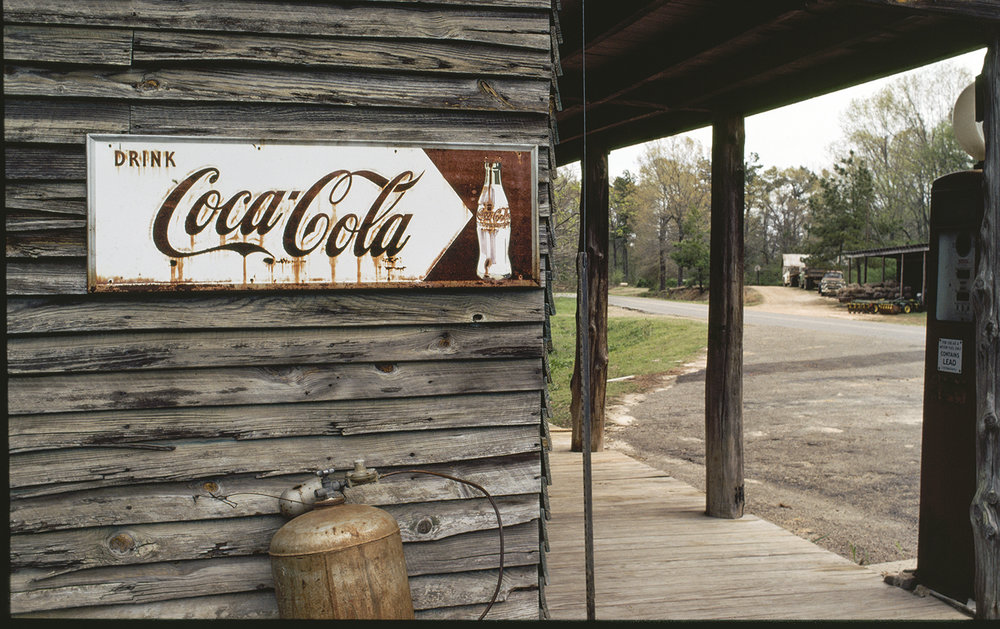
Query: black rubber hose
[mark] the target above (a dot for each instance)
(496, 510)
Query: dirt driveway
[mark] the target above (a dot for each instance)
(832, 430)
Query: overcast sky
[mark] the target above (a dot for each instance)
(796, 135)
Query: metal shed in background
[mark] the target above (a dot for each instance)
(910, 265)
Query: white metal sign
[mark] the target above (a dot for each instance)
(182, 213)
(950, 355)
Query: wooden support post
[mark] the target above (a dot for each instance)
(902, 275)
(923, 280)
(985, 508)
(724, 371)
(595, 242)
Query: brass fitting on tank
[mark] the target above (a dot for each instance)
(361, 475)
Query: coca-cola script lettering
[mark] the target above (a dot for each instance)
(375, 230)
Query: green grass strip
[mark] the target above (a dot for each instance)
(637, 346)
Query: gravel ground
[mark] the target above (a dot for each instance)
(832, 428)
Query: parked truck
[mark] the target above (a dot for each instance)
(831, 283)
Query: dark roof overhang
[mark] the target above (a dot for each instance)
(656, 68)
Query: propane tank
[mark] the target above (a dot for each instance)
(341, 561)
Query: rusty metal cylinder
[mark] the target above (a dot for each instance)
(341, 562)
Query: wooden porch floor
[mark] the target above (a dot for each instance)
(659, 557)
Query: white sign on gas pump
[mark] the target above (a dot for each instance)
(949, 355)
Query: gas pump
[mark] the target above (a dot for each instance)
(945, 553)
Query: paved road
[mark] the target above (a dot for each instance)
(908, 333)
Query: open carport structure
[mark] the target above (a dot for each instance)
(636, 71)
(911, 265)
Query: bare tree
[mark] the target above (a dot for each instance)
(903, 134)
(674, 178)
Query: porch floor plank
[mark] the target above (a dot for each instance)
(659, 557)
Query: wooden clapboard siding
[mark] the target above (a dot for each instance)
(46, 276)
(43, 121)
(371, 89)
(242, 606)
(45, 161)
(51, 554)
(76, 45)
(339, 417)
(39, 243)
(440, 56)
(85, 548)
(150, 583)
(274, 309)
(150, 433)
(264, 385)
(499, 24)
(235, 495)
(211, 348)
(28, 120)
(28, 221)
(188, 460)
(333, 123)
(51, 197)
(519, 604)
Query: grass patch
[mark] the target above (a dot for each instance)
(750, 296)
(637, 346)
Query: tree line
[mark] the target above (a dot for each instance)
(875, 194)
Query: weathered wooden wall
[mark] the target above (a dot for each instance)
(128, 413)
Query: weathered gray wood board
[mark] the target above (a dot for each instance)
(985, 509)
(238, 495)
(150, 583)
(338, 417)
(149, 435)
(518, 604)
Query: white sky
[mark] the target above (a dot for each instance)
(796, 135)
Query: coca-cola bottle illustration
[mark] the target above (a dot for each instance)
(493, 227)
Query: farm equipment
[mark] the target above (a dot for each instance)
(884, 306)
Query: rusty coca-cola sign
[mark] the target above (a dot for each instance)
(199, 213)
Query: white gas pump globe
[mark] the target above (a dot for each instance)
(968, 132)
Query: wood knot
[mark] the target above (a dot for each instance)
(425, 526)
(487, 89)
(990, 421)
(121, 544)
(148, 85)
(385, 367)
(211, 487)
(444, 341)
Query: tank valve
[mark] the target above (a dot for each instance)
(361, 475)
(301, 498)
